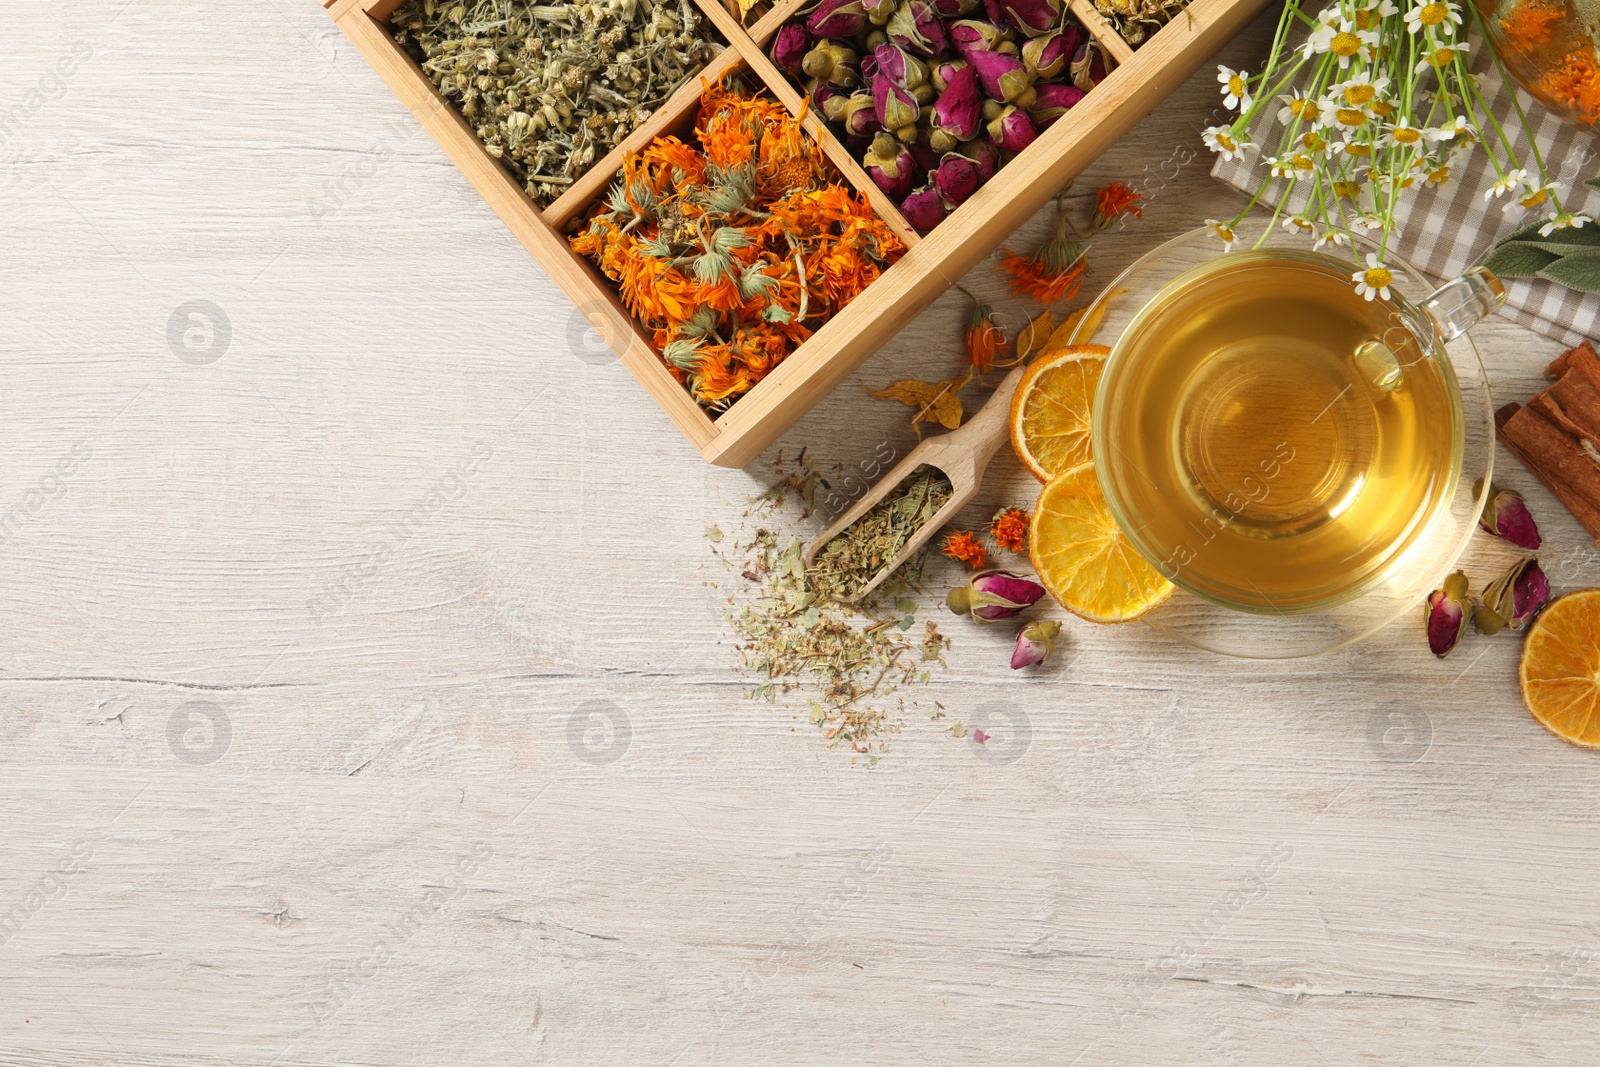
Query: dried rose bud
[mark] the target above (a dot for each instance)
(1052, 102)
(837, 18)
(861, 114)
(941, 142)
(941, 72)
(789, 48)
(970, 35)
(984, 154)
(1034, 644)
(1088, 66)
(915, 26)
(1514, 599)
(896, 108)
(954, 9)
(833, 63)
(1033, 17)
(1505, 514)
(994, 595)
(959, 109)
(956, 179)
(1445, 615)
(1012, 130)
(879, 11)
(1004, 77)
(902, 68)
(923, 209)
(890, 164)
(1047, 56)
(828, 100)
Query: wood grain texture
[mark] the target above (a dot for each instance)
(303, 630)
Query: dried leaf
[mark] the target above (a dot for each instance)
(1083, 322)
(934, 401)
(1033, 336)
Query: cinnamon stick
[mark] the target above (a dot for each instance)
(1561, 363)
(1588, 515)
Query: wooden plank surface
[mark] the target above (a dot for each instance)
(366, 702)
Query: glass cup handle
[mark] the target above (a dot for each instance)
(1456, 306)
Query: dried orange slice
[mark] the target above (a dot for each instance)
(1050, 411)
(1560, 671)
(1083, 559)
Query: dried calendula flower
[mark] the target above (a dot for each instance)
(551, 88)
(732, 251)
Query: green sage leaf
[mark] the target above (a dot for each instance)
(1520, 259)
(1593, 183)
(1580, 271)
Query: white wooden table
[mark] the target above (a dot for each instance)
(310, 589)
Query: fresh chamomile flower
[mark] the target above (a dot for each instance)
(1280, 167)
(1348, 190)
(1442, 57)
(1457, 129)
(1505, 183)
(1368, 222)
(1330, 236)
(1313, 142)
(1360, 91)
(1401, 134)
(1298, 107)
(1327, 27)
(1224, 231)
(1296, 224)
(1223, 141)
(1439, 173)
(1374, 281)
(1441, 16)
(1343, 41)
(1535, 192)
(1235, 89)
(1563, 220)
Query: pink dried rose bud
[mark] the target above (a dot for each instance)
(994, 595)
(896, 107)
(1514, 599)
(942, 71)
(890, 165)
(902, 68)
(1047, 56)
(1088, 66)
(1004, 77)
(861, 114)
(1505, 514)
(1012, 130)
(954, 9)
(1052, 102)
(923, 209)
(970, 35)
(959, 109)
(789, 48)
(956, 179)
(915, 26)
(1445, 614)
(1034, 644)
(984, 154)
(837, 18)
(1033, 17)
(879, 11)
(828, 100)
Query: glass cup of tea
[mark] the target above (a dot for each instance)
(1304, 464)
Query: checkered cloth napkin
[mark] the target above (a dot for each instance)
(1443, 230)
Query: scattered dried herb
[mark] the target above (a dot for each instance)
(1009, 528)
(1135, 20)
(551, 88)
(963, 547)
(847, 662)
(733, 251)
(853, 557)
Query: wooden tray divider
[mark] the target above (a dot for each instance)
(1118, 51)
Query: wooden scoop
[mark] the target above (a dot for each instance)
(962, 455)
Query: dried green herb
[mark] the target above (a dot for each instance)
(551, 88)
(853, 557)
(847, 661)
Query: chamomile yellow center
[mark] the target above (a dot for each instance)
(1350, 116)
(1236, 86)
(1433, 14)
(1535, 198)
(1345, 44)
(1405, 135)
(1378, 277)
(1359, 95)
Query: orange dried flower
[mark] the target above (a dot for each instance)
(985, 342)
(1010, 529)
(732, 250)
(1053, 273)
(1114, 201)
(963, 547)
